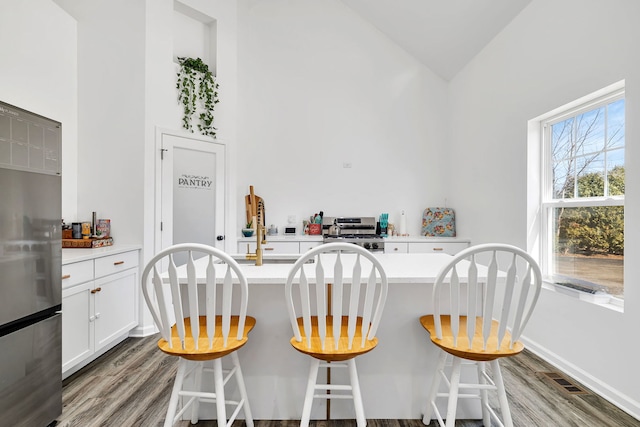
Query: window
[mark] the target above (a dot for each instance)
(583, 195)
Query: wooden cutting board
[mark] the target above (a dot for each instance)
(252, 202)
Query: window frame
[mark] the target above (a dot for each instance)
(547, 202)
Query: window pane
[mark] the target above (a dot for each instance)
(615, 120)
(589, 136)
(615, 176)
(591, 176)
(561, 137)
(563, 179)
(589, 246)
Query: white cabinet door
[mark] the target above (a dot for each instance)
(115, 306)
(450, 248)
(395, 248)
(307, 246)
(97, 312)
(77, 324)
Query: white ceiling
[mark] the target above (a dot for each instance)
(443, 34)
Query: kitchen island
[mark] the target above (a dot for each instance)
(394, 377)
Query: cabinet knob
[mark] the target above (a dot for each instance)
(438, 249)
(268, 249)
(118, 263)
(66, 276)
(395, 249)
(93, 291)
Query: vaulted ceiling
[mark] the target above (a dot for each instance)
(443, 34)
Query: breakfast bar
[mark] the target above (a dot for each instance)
(394, 377)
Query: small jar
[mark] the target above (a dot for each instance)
(86, 230)
(76, 230)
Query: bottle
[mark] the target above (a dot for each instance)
(403, 224)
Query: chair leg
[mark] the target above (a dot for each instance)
(357, 396)
(177, 387)
(197, 386)
(453, 392)
(502, 394)
(218, 378)
(435, 384)
(484, 395)
(308, 398)
(248, 418)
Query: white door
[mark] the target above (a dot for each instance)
(192, 193)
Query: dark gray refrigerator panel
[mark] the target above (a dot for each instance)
(30, 243)
(31, 374)
(30, 269)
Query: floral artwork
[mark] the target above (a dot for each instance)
(439, 222)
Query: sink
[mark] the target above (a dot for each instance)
(269, 259)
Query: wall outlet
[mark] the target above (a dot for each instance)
(291, 219)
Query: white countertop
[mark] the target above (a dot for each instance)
(283, 238)
(394, 239)
(400, 268)
(71, 255)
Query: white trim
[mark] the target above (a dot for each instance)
(539, 130)
(159, 131)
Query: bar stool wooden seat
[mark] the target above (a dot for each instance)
(198, 324)
(484, 323)
(334, 305)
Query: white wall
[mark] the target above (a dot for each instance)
(111, 95)
(319, 87)
(551, 54)
(39, 74)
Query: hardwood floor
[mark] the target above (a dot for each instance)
(130, 386)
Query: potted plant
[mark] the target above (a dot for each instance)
(197, 90)
(247, 231)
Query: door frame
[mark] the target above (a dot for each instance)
(157, 232)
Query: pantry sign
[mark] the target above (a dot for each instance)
(195, 182)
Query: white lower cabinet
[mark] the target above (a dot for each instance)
(450, 248)
(307, 246)
(395, 248)
(98, 311)
(115, 306)
(293, 247)
(77, 324)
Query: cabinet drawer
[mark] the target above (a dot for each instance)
(272, 247)
(77, 272)
(115, 263)
(450, 248)
(395, 248)
(307, 246)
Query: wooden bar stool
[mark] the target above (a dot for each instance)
(197, 324)
(335, 337)
(484, 324)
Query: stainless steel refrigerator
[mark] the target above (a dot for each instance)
(30, 269)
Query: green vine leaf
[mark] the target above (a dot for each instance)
(197, 88)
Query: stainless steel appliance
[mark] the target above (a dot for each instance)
(30, 269)
(361, 231)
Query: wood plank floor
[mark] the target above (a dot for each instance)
(130, 386)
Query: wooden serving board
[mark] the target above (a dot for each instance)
(89, 243)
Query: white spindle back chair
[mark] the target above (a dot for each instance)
(335, 305)
(492, 290)
(197, 323)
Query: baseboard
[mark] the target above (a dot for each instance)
(145, 331)
(604, 390)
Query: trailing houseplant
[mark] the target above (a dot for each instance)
(197, 88)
